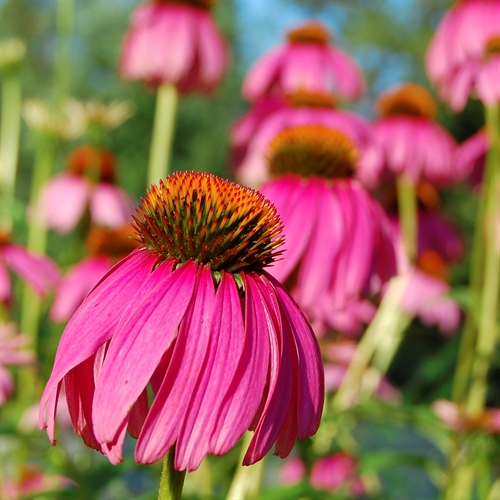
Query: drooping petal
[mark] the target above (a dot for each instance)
(94, 322)
(227, 337)
(110, 206)
(147, 328)
(171, 405)
(279, 382)
(63, 201)
(243, 398)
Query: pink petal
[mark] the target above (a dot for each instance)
(110, 206)
(227, 336)
(102, 311)
(5, 284)
(148, 325)
(63, 201)
(171, 404)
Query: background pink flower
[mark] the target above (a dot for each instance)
(37, 270)
(306, 62)
(88, 183)
(12, 352)
(174, 42)
(462, 58)
(414, 145)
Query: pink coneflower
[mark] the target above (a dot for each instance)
(89, 182)
(106, 247)
(338, 239)
(32, 482)
(37, 270)
(306, 62)
(455, 418)
(337, 472)
(174, 42)
(292, 471)
(427, 294)
(252, 134)
(193, 314)
(12, 352)
(415, 146)
(463, 58)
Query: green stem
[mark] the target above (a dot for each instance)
(387, 319)
(10, 128)
(37, 236)
(247, 480)
(407, 203)
(163, 132)
(172, 480)
(62, 62)
(488, 314)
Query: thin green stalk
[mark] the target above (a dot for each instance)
(163, 132)
(62, 61)
(247, 480)
(385, 322)
(172, 480)
(407, 203)
(10, 128)
(488, 315)
(37, 236)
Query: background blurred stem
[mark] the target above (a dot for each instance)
(407, 206)
(488, 314)
(62, 62)
(10, 128)
(172, 480)
(247, 480)
(163, 132)
(386, 322)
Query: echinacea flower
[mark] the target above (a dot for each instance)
(174, 42)
(463, 57)
(12, 352)
(338, 240)
(456, 419)
(192, 314)
(337, 472)
(12, 52)
(305, 62)
(37, 270)
(106, 247)
(292, 471)
(414, 145)
(252, 134)
(32, 482)
(427, 293)
(89, 182)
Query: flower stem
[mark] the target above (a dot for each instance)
(247, 479)
(10, 128)
(62, 62)
(488, 314)
(407, 203)
(172, 480)
(163, 132)
(387, 321)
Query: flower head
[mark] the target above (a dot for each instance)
(193, 314)
(89, 181)
(305, 62)
(338, 240)
(12, 52)
(414, 145)
(253, 133)
(463, 57)
(174, 42)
